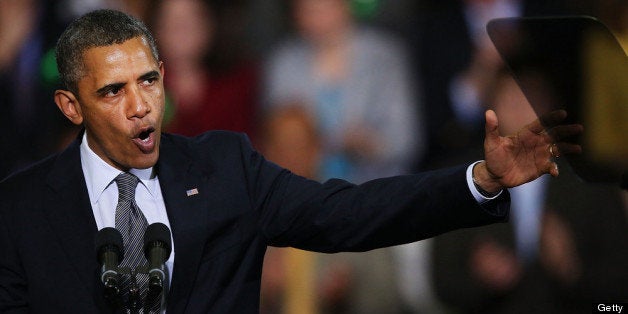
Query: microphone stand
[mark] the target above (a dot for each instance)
(157, 249)
(155, 289)
(135, 295)
(155, 296)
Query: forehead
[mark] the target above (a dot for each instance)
(117, 59)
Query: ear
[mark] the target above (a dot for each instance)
(69, 106)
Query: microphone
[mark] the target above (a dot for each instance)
(109, 253)
(157, 249)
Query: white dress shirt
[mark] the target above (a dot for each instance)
(103, 193)
(474, 191)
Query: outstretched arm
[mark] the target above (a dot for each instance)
(522, 157)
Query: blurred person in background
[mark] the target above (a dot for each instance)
(459, 63)
(459, 67)
(31, 128)
(355, 82)
(18, 21)
(289, 137)
(564, 248)
(211, 84)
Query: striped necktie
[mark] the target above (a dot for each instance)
(132, 224)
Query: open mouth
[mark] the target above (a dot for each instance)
(145, 140)
(144, 136)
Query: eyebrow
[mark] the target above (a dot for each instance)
(109, 87)
(149, 75)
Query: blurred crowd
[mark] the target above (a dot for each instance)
(356, 89)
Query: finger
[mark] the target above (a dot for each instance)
(553, 150)
(564, 148)
(556, 150)
(553, 169)
(547, 121)
(564, 131)
(553, 118)
(491, 127)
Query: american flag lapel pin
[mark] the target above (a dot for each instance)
(191, 192)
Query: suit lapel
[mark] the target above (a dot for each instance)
(75, 226)
(69, 211)
(185, 188)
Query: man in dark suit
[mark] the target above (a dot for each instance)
(223, 201)
(460, 67)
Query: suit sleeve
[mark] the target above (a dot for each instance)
(12, 276)
(340, 216)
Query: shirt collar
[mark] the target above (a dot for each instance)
(99, 174)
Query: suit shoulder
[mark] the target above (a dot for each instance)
(24, 186)
(30, 175)
(218, 140)
(219, 147)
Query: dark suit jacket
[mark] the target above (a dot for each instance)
(244, 203)
(596, 217)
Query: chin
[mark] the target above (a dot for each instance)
(145, 161)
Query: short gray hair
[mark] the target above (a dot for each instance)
(95, 29)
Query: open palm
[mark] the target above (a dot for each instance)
(516, 159)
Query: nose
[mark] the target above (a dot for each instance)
(137, 103)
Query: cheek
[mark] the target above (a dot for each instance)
(157, 99)
(110, 126)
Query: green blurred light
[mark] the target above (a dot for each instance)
(364, 9)
(48, 68)
(169, 110)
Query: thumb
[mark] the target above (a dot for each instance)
(492, 126)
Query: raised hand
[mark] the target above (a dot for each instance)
(526, 155)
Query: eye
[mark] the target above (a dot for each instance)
(113, 92)
(149, 81)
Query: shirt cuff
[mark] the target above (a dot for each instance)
(481, 199)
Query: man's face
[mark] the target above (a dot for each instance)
(321, 20)
(121, 103)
